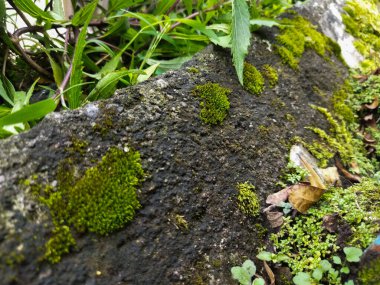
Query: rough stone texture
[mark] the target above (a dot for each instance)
(192, 171)
(327, 14)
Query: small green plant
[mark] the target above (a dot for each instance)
(214, 102)
(245, 273)
(253, 80)
(326, 271)
(270, 74)
(248, 202)
(293, 173)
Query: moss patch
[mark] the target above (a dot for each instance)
(253, 80)
(248, 201)
(270, 74)
(101, 201)
(214, 102)
(298, 34)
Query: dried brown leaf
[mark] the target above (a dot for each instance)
(270, 273)
(314, 177)
(275, 219)
(279, 197)
(331, 176)
(303, 196)
(373, 105)
(346, 173)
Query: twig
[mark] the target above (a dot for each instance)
(23, 17)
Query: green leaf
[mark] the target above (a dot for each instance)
(240, 35)
(58, 8)
(337, 260)
(240, 274)
(345, 270)
(325, 265)
(250, 267)
(148, 73)
(83, 14)
(163, 6)
(30, 92)
(7, 91)
(75, 92)
(170, 64)
(258, 281)
(317, 274)
(189, 6)
(115, 5)
(4, 111)
(353, 254)
(349, 282)
(28, 113)
(264, 22)
(32, 9)
(265, 255)
(302, 278)
(3, 14)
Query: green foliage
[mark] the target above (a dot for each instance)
(305, 242)
(369, 274)
(248, 201)
(253, 80)
(293, 174)
(245, 273)
(214, 102)
(240, 35)
(298, 34)
(103, 200)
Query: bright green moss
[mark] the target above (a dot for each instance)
(340, 106)
(214, 102)
(253, 80)
(248, 201)
(59, 244)
(270, 74)
(298, 34)
(102, 200)
(305, 241)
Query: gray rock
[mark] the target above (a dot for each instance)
(192, 170)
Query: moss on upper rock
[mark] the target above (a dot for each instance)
(214, 102)
(253, 80)
(296, 35)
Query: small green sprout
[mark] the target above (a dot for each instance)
(245, 273)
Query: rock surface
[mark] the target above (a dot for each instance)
(192, 170)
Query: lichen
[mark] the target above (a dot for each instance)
(253, 80)
(298, 34)
(102, 200)
(248, 201)
(214, 102)
(270, 74)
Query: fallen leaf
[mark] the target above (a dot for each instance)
(346, 173)
(275, 219)
(373, 105)
(331, 176)
(270, 273)
(304, 195)
(314, 177)
(279, 197)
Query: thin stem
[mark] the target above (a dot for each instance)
(23, 17)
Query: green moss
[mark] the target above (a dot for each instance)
(298, 34)
(361, 19)
(289, 117)
(277, 103)
(340, 104)
(319, 92)
(193, 69)
(270, 74)
(77, 146)
(214, 102)
(369, 275)
(181, 223)
(253, 80)
(59, 244)
(305, 241)
(248, 201)
(102, 200)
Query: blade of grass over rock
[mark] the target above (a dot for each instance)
(74, 94)
(240, 35)
(28, 113)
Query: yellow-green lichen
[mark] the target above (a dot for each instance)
(253, 80)
(270, 74)
(298, 34)
(248, 201)
(214, 102)
(102, 200)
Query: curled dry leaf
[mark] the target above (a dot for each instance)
(303, 196)
(346, 173)
(275, 218)
(331, 176)
(373, 105)
(279, 197)
(270, 273)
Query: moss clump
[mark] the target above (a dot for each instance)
(340, 140)
(59, 244)
(215, 104)
(101, 201)
(77, 146)
(270, 74)
(248, 202)
(193, 69)
(253, 80)
(362, 19)
(296, 35)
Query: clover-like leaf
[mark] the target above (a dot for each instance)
(353, 254)
(250, 267)
(317, 274)
(345, 270)
(258, 281)
(264, 255)
(325, 265)
(240, 274)
(337, 260)
(302, 278)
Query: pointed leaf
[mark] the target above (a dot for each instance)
(265, 255)
(163, 6)
(240, 35)
(32, 9)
